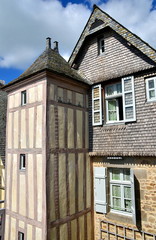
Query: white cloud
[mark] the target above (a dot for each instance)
(25, 24)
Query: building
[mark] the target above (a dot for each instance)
(51, 169)
(122, 69)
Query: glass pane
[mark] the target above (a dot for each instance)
(79, 99)
(116, 174)
(112, 105)
(127, 192)
(96, 104)
(127, 85)
(116, 191)
(119, 88)
(128, 205)
(97, 117)
(110, 90)
(117, 203)
(152, 94)
(69, 96)
(151, 84)
(126, 175)
(112, 116)
(129, 112)
(128, 99)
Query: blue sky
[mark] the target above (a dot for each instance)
(25, 24)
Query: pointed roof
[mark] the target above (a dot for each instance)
(50, 60)
(99, 20)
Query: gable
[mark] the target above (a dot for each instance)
(98, 16)
(119, 58)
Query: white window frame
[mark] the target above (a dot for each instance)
(121, 183)
(100, 105)
(117, 95)
(22, 159)
(23, 97)
(147, 89)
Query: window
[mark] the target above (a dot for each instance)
(120, 190)
(23, 98)
(101, 46)
(151, 89)
(119, 102)
(114, 191)
(22, 162)
(20, 236)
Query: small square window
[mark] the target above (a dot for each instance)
(22, 162)
(23, 98)
(101, 46)
(151, 89)
(20, 236)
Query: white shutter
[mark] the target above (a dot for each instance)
(133, 196)
(100, 189)
(96, 105)
(128, 99)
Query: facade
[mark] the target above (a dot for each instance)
(122, 69)
(48, 193)
(81, 138)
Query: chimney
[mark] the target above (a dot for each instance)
(48, 43)
(56, 47)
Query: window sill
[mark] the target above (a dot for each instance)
(120, 217)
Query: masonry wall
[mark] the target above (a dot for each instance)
(25, 189)
(68, 164)
(145, 178)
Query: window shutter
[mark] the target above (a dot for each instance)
(96, 105)
(128, 99)
(133, 196)
(100, 189)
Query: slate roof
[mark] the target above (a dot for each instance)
(99, 20)
(50, 60)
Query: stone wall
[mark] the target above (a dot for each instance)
(145, 185)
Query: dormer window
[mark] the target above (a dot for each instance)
(23, 98)
(101, 45)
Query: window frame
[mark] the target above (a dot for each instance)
(22, 159)
(23, 98)
(147, 89)
(101, 45)
(20, 235)
(121, 183)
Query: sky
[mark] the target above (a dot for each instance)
(25, 24)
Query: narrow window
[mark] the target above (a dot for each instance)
(23, 98)
(101, 46)
(20, 236)
(151, 89)
(22, 162)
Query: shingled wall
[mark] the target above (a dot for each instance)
(3, 105)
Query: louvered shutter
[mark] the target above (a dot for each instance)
(128, 99)
(100, 189)
(96, 105)
(133, 196)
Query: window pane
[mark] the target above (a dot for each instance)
(128, 205)
(69, 96)
(96, 105)
(60, 94)
(119, 88)
(117, 203)
(127, 85)
(116, 174)
(151, 84)
(126, 175)
(116, 191)
(127, 192)
(128, 99)
(152, 94)
(129, 112)
(112, 105)
(79, 99)
(112, 116)
(110, 90)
